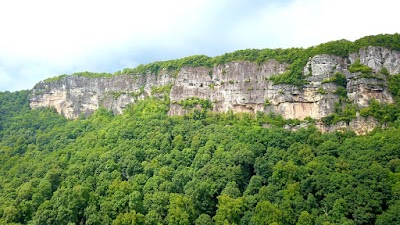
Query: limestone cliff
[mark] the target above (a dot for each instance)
(72, 96)
(238, 86)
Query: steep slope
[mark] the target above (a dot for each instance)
(238, 86)
(144, 167)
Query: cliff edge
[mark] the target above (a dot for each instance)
(240, 86)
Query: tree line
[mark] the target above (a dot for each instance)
(144, 167)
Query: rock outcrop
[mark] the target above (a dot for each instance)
(72, 96)
(359, 125)
(377, 58)
(237, 86)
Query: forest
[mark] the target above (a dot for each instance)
(145, 167)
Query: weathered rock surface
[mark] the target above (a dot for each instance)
(360, 125)
(72, 96)
(362, 90)
(377, 58)
(237, 86)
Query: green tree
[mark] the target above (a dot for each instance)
(180, 210)
(305, 219)
(204, 219)
(267, 213)
(390, 216)
(130, 218)
(230, 210)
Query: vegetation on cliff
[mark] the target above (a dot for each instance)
(295, 57)
(385, 113)
(144, 167)
(80, 74)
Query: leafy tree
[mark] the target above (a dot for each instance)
(305, 219)
(390, 216)
(130, 218)
(267, 213)
(229, 210)
(204, 219)
(180, 210)
(143, 167)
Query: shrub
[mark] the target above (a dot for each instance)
(342, 92)
(321, 91)
(358, 67)
(267, 102)
(190, 103)
(340, 79)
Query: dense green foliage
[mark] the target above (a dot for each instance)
(144, 167)
(92, 75)
(391, 41)
(53, 79)
(357, 67)
(193, 102)
(343, 112)
(394, 86)
(365, 71)
(155, 67)
(80, 74)
(385, 113)
(166, 89)
(338, 78)
(295, 57)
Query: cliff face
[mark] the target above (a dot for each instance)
(237, 86)
(75, 95)
(244, 87)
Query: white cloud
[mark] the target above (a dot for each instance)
(45, 38)
(47, 28)
(304, 23)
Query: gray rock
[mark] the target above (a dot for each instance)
(72, 96)
(377, 58)
(237, 86)
(360, 126)
(362, 90)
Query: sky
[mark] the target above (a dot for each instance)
(45, 38)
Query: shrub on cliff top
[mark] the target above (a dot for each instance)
(295, 57)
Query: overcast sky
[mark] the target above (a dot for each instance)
(45, 38)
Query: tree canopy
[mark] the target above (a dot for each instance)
(296, 58)
(144, 167)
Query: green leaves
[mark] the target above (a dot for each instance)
(296, 58)
(144, 167)
(267, 213)
(361, 68)
(230, 210)
(194, 101)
